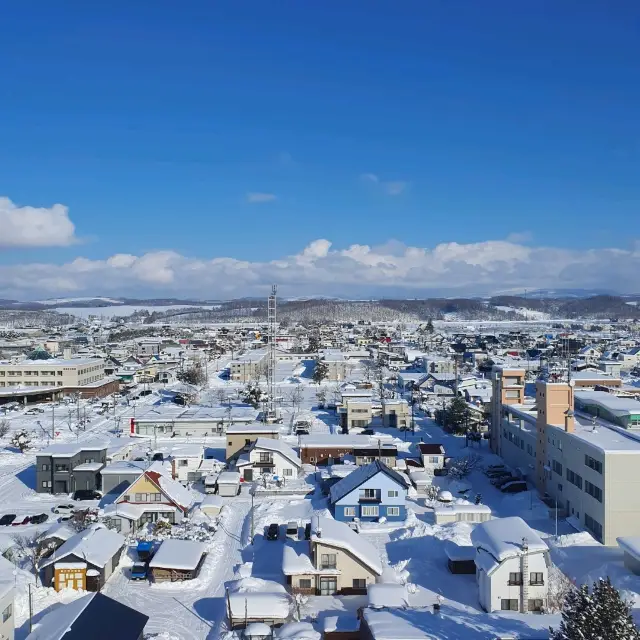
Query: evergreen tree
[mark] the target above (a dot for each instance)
(320, 371)
(599, 615)
(458, 415)
(430, 326)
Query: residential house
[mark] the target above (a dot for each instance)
(177, 560)
(335, 560)
(432, 456)
(7, 595)
(385, 453)
(268, 456)
(64, 468)
(355, 412)
(246, 609)
(185, 462)
(240, 437)
(327, 449)
(85, 561)
(512, 564)
(94, 616)
(119, 475)
(396, 414)
(370, 493)
(154, 495)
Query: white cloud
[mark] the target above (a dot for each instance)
(390, 187)
(259, 197)
(520, 237)
(392, 269)
(35, 226)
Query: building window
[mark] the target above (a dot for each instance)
(509, 605)
(287, 472)
(359, 583)
(535, 605)
(265, 457)
(596, 465)
(328, 561)
(515, 578)
(46, 484)
(370, 512)
(536, 579)
(557, 467)
(7, 613)
(45, 467)
(304, 583)
(593, 491)
(156, 497)
(574, 478)
(61, 468)
(392, 494)
(594, 526)
(368, 493)
(350, 511)
(393, 511)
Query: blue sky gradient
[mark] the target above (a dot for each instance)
(424, 122)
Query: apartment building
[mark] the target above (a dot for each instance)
(75, 372)
(587, 467)
(355, 412)
(249, 366)
(336, 364)
(508, 389)
(396, 413)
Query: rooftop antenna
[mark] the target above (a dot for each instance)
(271, 364)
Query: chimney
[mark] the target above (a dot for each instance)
(569, 421)
(66, 353)
(318, 532)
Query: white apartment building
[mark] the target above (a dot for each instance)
(587, 465)
(75, 372)
(249, 366)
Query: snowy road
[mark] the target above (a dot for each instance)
(196, 609)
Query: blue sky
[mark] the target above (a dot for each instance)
(364, 121)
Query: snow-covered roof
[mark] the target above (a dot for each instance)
(253, 428)
(89, 466)
(229, 477)
(60, 530)
(279, 446)
(184, 555)
(125, 466)
(461, 508)
(179, 495)
(362, 474)
(296, 560)
(69, 450)
(388, 624)
(387, 595)
(297, 631)
(503, 538)
(55, 624)
(338, 534)
(336, 440)
(266, 606)
(630, 545)
(96, 545)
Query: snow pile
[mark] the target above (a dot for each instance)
(297, 631)
(255, 585)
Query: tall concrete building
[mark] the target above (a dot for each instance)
(74, 372)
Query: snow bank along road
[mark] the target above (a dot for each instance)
(194, 609)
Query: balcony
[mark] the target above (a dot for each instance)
(369, 499)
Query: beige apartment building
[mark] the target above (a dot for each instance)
(75, 372)
(249, 366)
(588, 468)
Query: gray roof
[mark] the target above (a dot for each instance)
(361, 475)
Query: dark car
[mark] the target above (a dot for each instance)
(7, 519)
(366, 432)
(158, 457)
(25, 520)
(139, 571)
(502, 480)
(39, 519)
(273, 531)
(87, 494)
(517, 486)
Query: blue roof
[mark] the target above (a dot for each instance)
(360, 476)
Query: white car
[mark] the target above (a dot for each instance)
(64, 509)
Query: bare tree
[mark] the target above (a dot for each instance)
(321, 397)
(559, 587)
(220, 394)
(463, 466)
(82, 520)
(4, 427)
(34, 547)
(296, 397)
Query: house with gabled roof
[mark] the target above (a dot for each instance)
(369, 493)
(268, 456)
(153, 496)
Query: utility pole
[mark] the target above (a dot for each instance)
(252, 522)
(53, 421)
(30, 610)
(271, 363)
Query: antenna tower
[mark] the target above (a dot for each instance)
(273, 330)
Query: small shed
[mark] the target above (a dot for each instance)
(460, 559)
(229, 484)
(210, 483)
(465, 512)
(247, 607)
(341, 627)
(211, 505)
(177, 560)
(421, 479)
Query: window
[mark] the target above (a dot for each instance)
(328, 561)
(126, 497)
(61, 468)
(46, 484)
(512, 394)
(7, 613)
(535, 605)
(392, 494)
(434, 459)
(156, 497)
(265, 457)
(304, 583)
(593, 491)
(142, 497)
(368, 493)
(515, 578)
(596, 465)
(536, 578)
(350, 511)
(574, 478)
(287, 472)
(370, 512)
(594, 526)
(557, 467)
(45, 467)
(359, 583)
(393, 511)
(509, 605)
(183, 463)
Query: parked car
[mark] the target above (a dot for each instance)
(366, 432)
(64, 509)
(499, 474)
(87, 494)
(145, 550)
(273, 531)
(139, 571)
(39, 519)
(517, 486)
(495, 467)
(500, 482)
(7, 519)
(292, 529)
(25, 520)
